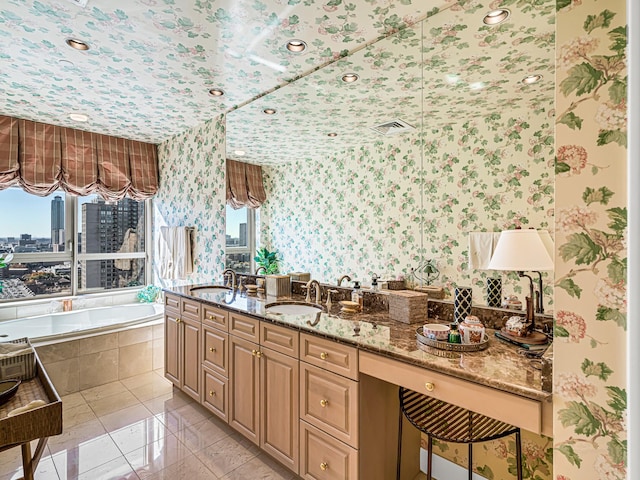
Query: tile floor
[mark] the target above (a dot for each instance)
(142, 428)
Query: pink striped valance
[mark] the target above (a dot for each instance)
(43, 158)
(244, 185)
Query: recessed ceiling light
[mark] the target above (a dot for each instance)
(332, 134)
(452, 78)
(77, 44)
(349, 77)
(494, 17)
(269, 111)
(216, 92)
(477, 85)
(66, 63)
(296, 46)
(240, 153)
(531, 79)
(79, 117)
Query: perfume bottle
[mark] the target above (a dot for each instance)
(454, 334)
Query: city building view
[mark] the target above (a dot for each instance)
(104, 228)
(239, 251)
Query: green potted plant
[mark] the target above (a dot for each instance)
(5, 259)
(268, 260)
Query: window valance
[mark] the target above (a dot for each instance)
(244, 185)
(43, 158)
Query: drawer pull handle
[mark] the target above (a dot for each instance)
(254, 352)
(178, 320)
(429, 386)
(324, 403)
(324, 355)
(212, 393)
(211, 317)
(324, 466)
(259, 354)
(212, 349)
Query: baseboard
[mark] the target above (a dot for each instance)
(444, 469)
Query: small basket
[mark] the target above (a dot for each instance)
(396, 285)
(22, 367)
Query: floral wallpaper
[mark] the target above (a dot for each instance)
(193, 193)
(151, 63)
(590, 401)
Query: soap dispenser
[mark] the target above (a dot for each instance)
(374, 282)
(356, 294)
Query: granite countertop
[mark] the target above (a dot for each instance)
(499, 366)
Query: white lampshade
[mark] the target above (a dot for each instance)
(520, 250)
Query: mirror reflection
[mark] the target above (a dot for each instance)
(466, 145)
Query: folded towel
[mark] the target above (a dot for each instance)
(481, 246)
(29, 406)
(16, 353)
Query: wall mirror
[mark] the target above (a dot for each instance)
(444, 132)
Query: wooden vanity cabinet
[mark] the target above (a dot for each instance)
(215, 361)
(264, 385)
(329, 413)
(183, 331)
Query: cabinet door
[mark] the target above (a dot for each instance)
(172, 347)
(214, 351)
(322, 457)
(191, 331)
(279, 407)
(244, 388)
(215, 396)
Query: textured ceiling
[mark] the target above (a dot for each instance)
(447, 69)
(152, 62)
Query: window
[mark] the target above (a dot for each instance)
(240, 239)
(60, 252)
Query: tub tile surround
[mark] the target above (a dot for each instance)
(88, 362)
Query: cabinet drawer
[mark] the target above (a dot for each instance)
(507, 407)
(280, 339)
(322, 457)
(214, 350)
(190, 309)
(244, 327)
(215, 396)
(215, 317)
(172, 302)
(328, 354)
(329, 402)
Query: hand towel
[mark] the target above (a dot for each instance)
(481, 246)
(175, 252)
(29, 406)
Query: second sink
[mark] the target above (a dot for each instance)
(293, 308)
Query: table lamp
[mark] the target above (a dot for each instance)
(520, 251)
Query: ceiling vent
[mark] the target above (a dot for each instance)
(80, 3)
(393, 127)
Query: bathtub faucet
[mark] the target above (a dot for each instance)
(67, 305)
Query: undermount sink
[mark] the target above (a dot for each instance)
(210, 289)
(293, 308)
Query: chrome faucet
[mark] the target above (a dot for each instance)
(229, 271)
(344, 277)
(318, 292)
(263, 268)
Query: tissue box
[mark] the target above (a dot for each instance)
(407, 306)
(300, 276)
(278, 285)
(22, 366)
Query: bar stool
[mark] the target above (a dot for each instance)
(449, 423)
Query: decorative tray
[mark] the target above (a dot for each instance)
(444, 349)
